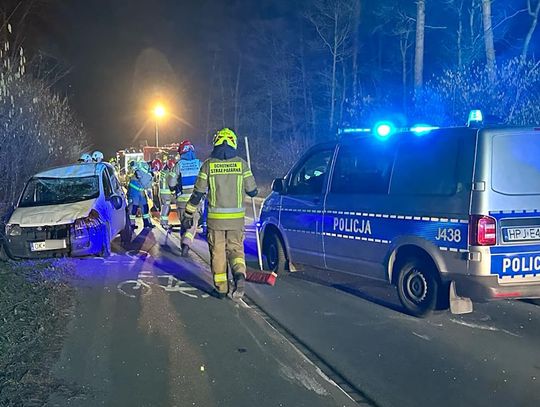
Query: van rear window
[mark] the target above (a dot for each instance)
(516, 164)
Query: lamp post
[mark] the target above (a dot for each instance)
(159, 112)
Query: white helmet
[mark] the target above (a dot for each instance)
(85, 158)
(97, 156)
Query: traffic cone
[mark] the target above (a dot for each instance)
(261, 277)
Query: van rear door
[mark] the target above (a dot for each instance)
(511, 162)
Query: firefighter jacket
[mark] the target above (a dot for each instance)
(187, 171)
(164, 182)
(226, 182)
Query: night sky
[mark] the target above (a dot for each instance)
(123, 55)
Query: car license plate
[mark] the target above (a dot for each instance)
(48, 245)
(521, 234)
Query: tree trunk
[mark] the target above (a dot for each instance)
(534, 14)
(343, 91)
(420, 36)
(488, 39)
(459, 36)
(356, 49)
(334, 67)
(404, 46)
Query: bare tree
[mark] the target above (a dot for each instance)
(534, 12)
(333, 20)
(419, 51)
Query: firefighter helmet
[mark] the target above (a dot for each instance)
(226, 136)
(85, 158)
(185, 147)
(157, 165)
(171, 163)
(97, 156)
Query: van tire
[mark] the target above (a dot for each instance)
(417, 286)
(126, 235)
(106, 247)
(274, 254)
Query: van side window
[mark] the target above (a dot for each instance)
(308, 179)
(106, 185)
(426, 166)
(362, 170)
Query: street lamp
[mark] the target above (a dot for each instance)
(159, 112)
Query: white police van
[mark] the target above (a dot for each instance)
(442, 213)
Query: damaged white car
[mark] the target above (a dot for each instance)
(75, 210)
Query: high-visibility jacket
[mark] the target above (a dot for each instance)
(164, 189)
(188, 170)
(226, 182)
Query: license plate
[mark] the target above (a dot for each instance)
(48, 245)
(521, 234)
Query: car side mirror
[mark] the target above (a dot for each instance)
(116, 201)
(278, 185)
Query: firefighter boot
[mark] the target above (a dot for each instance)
(240, 285)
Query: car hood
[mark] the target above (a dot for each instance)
(51, 215)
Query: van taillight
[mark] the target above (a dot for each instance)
(482, 231)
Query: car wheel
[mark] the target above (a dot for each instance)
(106, 244)
(417, 286)
(127, 233)
(3, 253)
(274, 254)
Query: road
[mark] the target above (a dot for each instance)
(163, 341)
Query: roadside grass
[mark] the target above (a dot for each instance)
(36, 303)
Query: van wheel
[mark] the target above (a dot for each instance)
(3, 253)
(127, 233)
(417, 287)
(274, 254)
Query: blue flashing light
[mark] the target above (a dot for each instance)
(475, 117)
(354, 130)
(384, 130)
(422, 129)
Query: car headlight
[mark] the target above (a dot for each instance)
(13, 230)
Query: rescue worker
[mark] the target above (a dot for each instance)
(97, 156)
(186, 171)
(85, 158)
(226, 177)
(165, 193)
(137, 197)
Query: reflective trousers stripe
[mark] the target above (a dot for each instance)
(189, 236)
(220, 278)
(213, 215)
(191, 208)
(146, 216)
(237, 261)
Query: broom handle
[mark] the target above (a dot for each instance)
(259, 252)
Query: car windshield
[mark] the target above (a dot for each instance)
(55, 191)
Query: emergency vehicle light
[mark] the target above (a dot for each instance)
(383, 130)
(475, 117)
(421, 129)
(352, 130)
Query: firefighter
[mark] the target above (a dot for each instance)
(165, 193)
(137, 197)
(186, 170)
(226, 177)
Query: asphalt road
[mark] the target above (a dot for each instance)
(146, 333)
(147, 345)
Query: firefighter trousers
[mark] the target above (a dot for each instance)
(188, 236)
(166, 200)
(226, 247)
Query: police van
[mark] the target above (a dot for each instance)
(448, 215)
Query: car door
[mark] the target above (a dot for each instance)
(356, 209)
(117, 216)
(302, 204)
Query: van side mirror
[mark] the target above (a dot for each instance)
(278, 185)
(116, 201)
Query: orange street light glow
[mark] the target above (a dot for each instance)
(159, 111)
